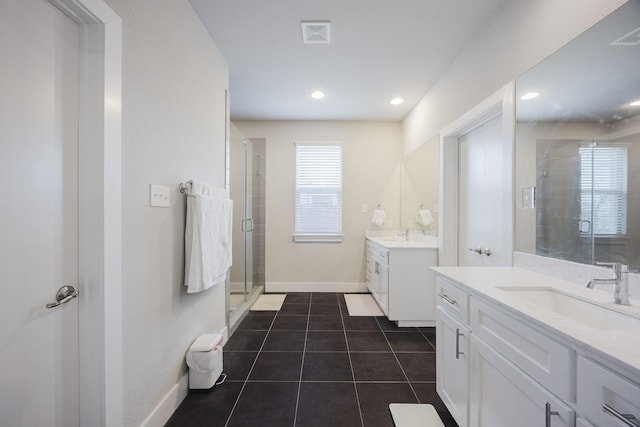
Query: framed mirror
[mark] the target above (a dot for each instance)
(577, 166)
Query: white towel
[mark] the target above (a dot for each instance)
(207, 237)
(378, 217)
(424, 217)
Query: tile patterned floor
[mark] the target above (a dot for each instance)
(311, 364)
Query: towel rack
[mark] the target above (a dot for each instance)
(184, 186)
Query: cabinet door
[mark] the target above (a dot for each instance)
(452, 365)
(501, 395)
(370, 273)
(383, 288)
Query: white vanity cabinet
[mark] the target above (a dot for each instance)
(518, 366)
(452, 342)
(400, 278)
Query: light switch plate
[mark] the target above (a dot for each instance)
(364, 209)
(159, 196)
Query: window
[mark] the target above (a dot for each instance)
(603, 186)
(318, 191)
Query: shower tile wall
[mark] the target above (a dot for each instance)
(259, 220)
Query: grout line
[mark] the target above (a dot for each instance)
(304, 352)
(400, 364)
(427, 338)
(353, 375)
(250, 370)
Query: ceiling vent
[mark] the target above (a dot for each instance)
(631, 39)
(316, 32)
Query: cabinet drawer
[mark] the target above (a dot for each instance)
(603, 393)
(549, 362)
(453, 300)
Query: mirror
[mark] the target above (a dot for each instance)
(577, 165)
(419, 188)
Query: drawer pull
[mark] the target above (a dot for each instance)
(458, 335)
(626, 419)
(548, 413)
(447, 299)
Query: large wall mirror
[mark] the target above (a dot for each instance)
(419, 189)
(577, 170)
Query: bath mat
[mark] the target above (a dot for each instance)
(414, 415)
(268, 302)
(362, 305)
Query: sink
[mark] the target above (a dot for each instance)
(573, 307)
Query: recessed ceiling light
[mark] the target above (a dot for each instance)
(396, 101)
(529, 95)
(318, 94)
(635, 103)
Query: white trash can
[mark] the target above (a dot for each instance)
(204, 359)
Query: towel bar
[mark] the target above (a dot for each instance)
(184, 186)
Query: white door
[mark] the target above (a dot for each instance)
(38, 214)
(483, 209)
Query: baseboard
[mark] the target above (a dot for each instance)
(346, 287)
(166, 407)
(174, 397)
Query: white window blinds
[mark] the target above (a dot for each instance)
(603, 184)
(318, 188)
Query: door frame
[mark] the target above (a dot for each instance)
(501, 103)
(99, 210)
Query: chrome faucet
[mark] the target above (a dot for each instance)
(620, 282)
(405, 234)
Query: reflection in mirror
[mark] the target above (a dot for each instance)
(578, 147)
(419, 188)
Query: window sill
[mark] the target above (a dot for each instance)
(318, 238)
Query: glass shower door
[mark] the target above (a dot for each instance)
(241, 193)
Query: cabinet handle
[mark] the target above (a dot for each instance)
(458, 335)
(626, 419)
(447, 299)
(547, 413)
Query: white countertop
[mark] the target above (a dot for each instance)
(619, 347)
(426, 242)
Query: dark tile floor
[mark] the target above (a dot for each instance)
(311, 364)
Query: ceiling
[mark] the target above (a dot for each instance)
(379, 49)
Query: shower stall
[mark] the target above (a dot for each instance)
(246, 185)
(584, 198)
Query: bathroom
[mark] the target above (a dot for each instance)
(147, 321)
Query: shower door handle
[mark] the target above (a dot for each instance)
(246, 224)
(581, 226)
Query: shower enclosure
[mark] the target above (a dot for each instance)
(583, 197)
(246, 284)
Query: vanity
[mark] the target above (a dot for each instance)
(400, 278)
(517, 348)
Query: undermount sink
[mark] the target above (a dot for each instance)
(575, 308)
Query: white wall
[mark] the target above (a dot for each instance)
(173, 112)
(371, 156)
(521, 34)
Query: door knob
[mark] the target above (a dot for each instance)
(65, 294)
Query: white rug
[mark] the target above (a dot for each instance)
(414, 415)
(268, 302)
(362, 305)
